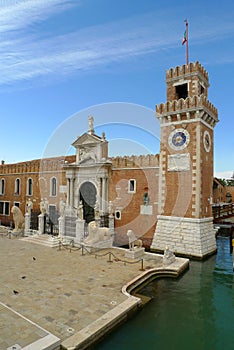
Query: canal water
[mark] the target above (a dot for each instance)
(194, 312)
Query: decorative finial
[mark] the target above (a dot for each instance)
(90, 122)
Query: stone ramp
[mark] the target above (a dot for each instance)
(22, 334)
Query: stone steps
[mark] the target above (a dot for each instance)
(43, 239)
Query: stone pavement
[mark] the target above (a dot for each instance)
(60, 291)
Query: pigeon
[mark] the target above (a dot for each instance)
(34, 258)
(23, 277)
(15, 291)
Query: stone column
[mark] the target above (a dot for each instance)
(41, 221)
(100, 194)
(61, 221)
(112, 227)
(80, 226)
(27, 224)
(68, 191)
(104, 191)
(72, 180)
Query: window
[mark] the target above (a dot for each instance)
(2, 186)
(17, 187)
(201, 90)
(17, 204)
(132, 186)
(118, 215)
(29, 187)
(4, 208)
(182, 91)
(53, 187)
(146, 198)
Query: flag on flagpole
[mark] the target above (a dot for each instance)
(185, 40)
(184, 37)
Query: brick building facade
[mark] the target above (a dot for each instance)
(144, 193)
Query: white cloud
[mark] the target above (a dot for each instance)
(20, 14)
(29, 56)
(224, 174)
(25, 55)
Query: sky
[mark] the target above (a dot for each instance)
(62, 60)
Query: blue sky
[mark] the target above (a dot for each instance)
(61, 60)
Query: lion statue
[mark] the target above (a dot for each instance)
(18, 219)
(168, 257)
(96, 233)
(133, 241)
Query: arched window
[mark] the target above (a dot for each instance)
(53, 186)
(2, 186)
(30, 187)
(17, 187)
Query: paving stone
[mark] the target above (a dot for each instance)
(62, 291)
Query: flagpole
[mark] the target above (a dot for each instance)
(187, 55)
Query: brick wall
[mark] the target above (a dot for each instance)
(40, 171)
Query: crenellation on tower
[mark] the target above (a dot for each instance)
(187, 81)
(184, 70)
(187, 109)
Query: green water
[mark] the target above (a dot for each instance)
(195, 311)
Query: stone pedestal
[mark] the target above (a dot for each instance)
(137, 253)
(185, 236)
(112, 227)
(105, 244)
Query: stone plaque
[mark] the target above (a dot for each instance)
(146, 210)
(70, 226)
(178, 162)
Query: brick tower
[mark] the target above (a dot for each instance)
(187, 121)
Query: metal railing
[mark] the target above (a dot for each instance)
(71, 246)
(222, 211)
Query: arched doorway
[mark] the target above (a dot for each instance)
(88, 197)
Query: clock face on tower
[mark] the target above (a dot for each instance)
(206, 141)
(178, 139)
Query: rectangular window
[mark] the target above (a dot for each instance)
(30, 187)
(4, 208)
(53, 187)
(132, 186)
(1, 207)
(7, 208)
(17, 187)
(2, 186)
(182, 91)
(201, 89)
